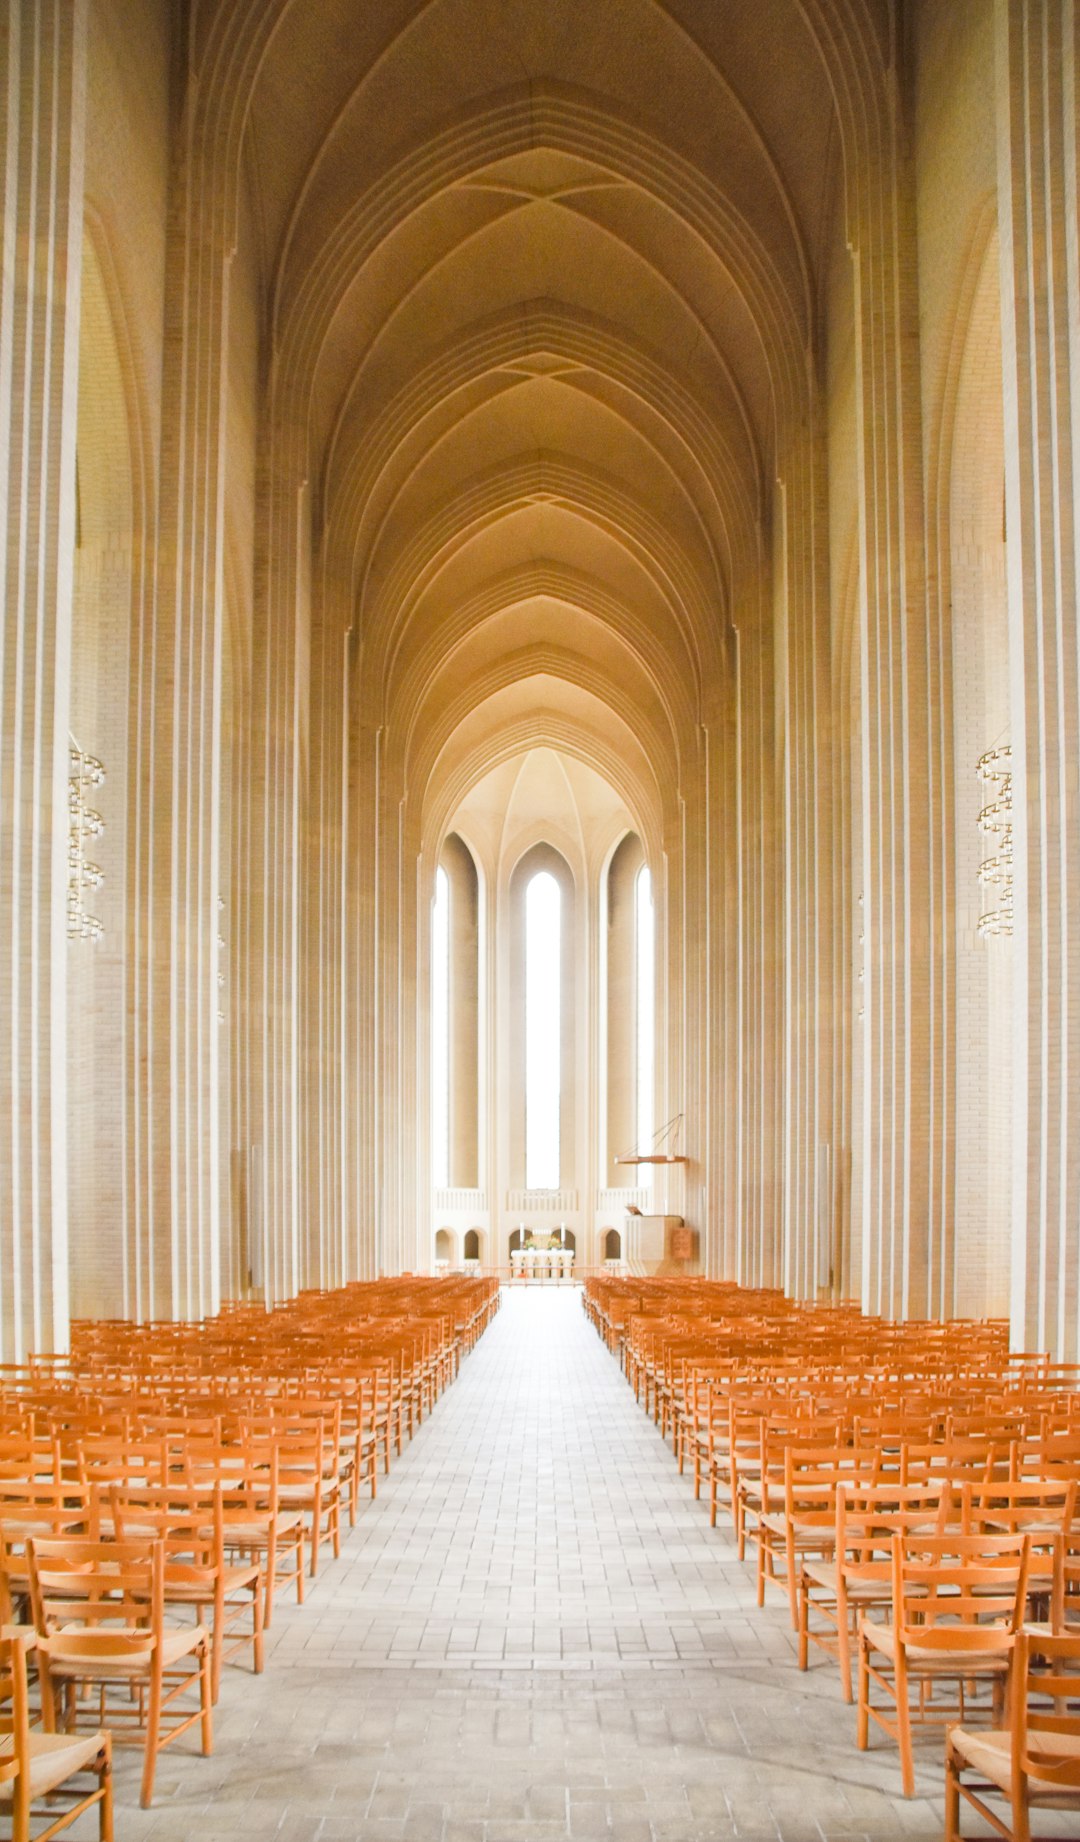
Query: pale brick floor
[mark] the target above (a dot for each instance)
(533, 1635)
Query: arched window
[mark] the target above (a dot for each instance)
(455, 1062)
(645, 1016)
(543, 1031)
(440, 1031)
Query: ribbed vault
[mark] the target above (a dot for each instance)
(541, 338)
(541, 291)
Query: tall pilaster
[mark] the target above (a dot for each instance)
(332, 1261)
(176, 1210)
(809, 1003)
(364, 1138)
(1037, 62)
(42, 117)
(758, 1180)
(905, 1252)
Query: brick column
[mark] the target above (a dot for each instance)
(42, 112)
(905, 1243)
(1037, 61)
(175, 1208)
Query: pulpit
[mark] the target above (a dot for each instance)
(659, 1242)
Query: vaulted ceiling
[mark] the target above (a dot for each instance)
(541, 285)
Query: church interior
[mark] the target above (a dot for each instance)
(481, 437)
(539, 719)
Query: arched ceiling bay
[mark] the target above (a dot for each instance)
(542, 793)
(563, 721)
(541, 284)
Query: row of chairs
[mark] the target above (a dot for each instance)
(912, 1493)
(149, 1516)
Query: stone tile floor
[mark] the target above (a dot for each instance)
(532, 1636)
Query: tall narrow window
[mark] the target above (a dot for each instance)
(645, 1005)
(440, 1032)
(543, 1031)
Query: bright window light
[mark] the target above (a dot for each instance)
(543, 1031)
(440, 1032)
(645, 1005)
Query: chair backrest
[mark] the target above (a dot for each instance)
(186, 1520)
(869, 1517)
(82, 1588)
(1057, 1455)
(45, 1514)
(1042, 1507)
(1046, 1696)
(950, 1586)
(105, 1459)
(955, 1459)
(814, 1474)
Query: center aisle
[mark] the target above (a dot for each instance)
(533, 1635)
(536, 1519)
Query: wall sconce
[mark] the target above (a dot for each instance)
(85, 772)
(996, 872)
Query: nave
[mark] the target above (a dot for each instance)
(532, 1635)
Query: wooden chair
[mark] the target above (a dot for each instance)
(957, 1603)
(309, 1482)
(1034, 1762)
(99, 1612)
(191, 1524)
(760, 1486)
(256, 1526)
(36, 1766)
(857, 1576)
(1043, 1509)
(799, 1522)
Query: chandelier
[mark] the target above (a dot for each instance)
(995, 821)
(85, 772)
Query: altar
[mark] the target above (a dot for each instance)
(542, 1264)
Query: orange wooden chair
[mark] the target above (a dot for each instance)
(36, 1768)
(857, 1576)
(99, 1612)
(957, 1603)
(1034, 1762)
(191, 1523)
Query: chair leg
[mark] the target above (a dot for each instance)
(903, 1729)
(105, 1807)
(316, 1521)
(862, 1727)
(20, 1810)
(1021, 1818)
(48, 1699)
(257, 1625)
(217, 1637)
(206, 1701)
(804, 1622)
(843, 1646)
(792, 1583)
(153, 1739)
(952, 1796)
